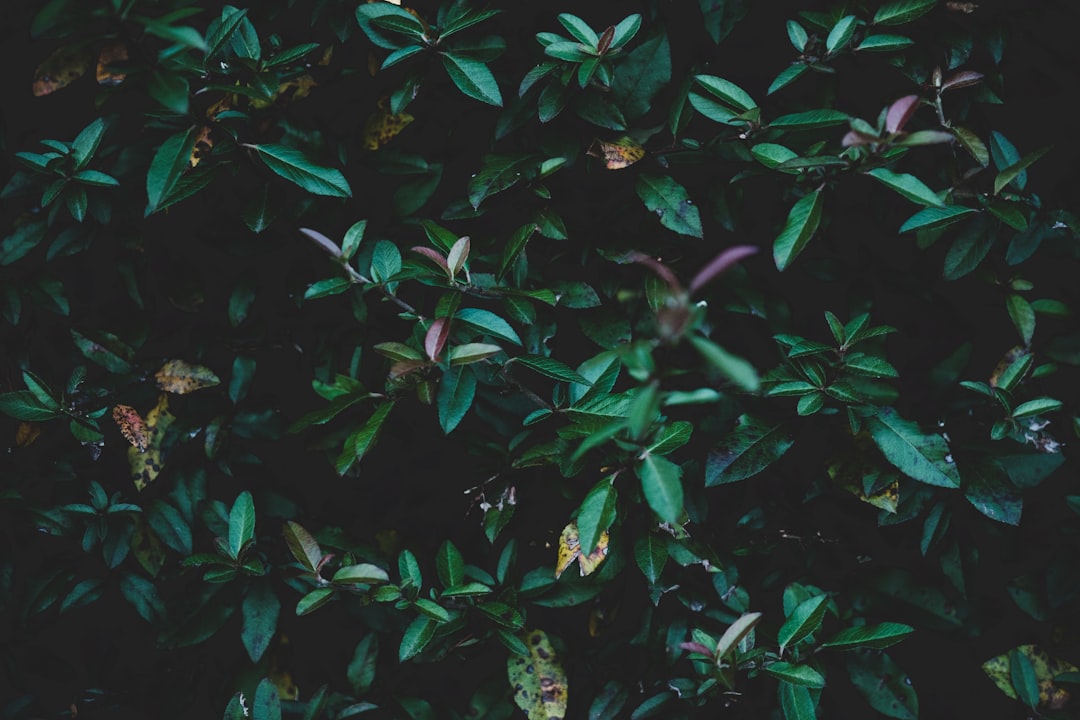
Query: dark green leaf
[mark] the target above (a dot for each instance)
(671, 203)
(267, 705)
(455, 396)
(748, 450)
(295, 167)
(899, 12)
(923, 457)
(641, 74)
(260, 613)
(549, 367)
(802, 223)
(884, 685)
(473, 78)
(869, 636)
(804, 620)
(796, 674)
(417, 635)
(661, 481)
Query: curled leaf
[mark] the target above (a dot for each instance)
(570, 550)
(618, 154)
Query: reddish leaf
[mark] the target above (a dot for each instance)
(132, 426)
(900, 112)
(435, 257)
(605, 40)
(962, 78)
(659, 268)
(435, 340)
(720, 263)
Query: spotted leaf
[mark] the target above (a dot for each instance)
(618, 154)
(382, 125)
(132, 426)
(180, 377)
(538, 680)
(570, 550)
(146, 466)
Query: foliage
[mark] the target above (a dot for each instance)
(656, 369)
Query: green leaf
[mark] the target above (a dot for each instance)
(809, 120)
(302, 545)
(988, 489)
(497, 173)
(661, 481)
(170, 89)
(455, 396)
(267, 705)
(596, 514)
(651, 554)
(105, 349)
(884, 43)
(314, 600)
(1013, 171)
(969, 249)
(169, 163)
(802, 223)
(86, 143)
(364, 574)
(923, 457)
(877, 636)
(473, 78)
(362, 668)
(749, 449)
(327, 287)
(1022, 315)
(488, 322)
(1038, 406)
(385, 261)
(351, 243)
(787, 76)
(771, 155)
(899, 12)
(472, 352)
(728, 92)
(1024, 681)
(417, 635)
(579, 29)
(221, 30)
(295, 167)
(241, 523)
(641, 74)
(549, 367)
(24, 405)
(907, 186)
(841, 33)
(884, 685)
(795, 702)
(796, 674)
(671, 203)
(804, 620)
(363, 438)
(260, 612)
(935, 217)
(733, 367)
(450, 565)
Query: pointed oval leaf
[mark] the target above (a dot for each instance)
(804, 620)
(802, 223)
(923, 457)
(661, 481)
(671, 203)
(295, 167)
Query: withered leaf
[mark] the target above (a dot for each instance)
(618, 154)
(132, 426)
(570, 550)
(539, 681)
(180, 377)
(113, 52)
(146, 466)
(62, 67)
(382, 126)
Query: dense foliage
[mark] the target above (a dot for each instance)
(664, 359)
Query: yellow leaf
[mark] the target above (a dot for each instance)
(180, 377)
(1046, 669)
(146, 466)
(293, 89)
(113, 52)
(618, 154)
(26, 433)
(1006, 362)
(203, 145)
(147, 547)
(62, 67)
(539, 681)
(382, 125)
(570, 550)
(851, 470)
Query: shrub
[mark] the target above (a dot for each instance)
(456, 361)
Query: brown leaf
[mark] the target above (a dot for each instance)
(203, 145)
(113, 52)
(382, 126)
(180, 378)
(26, 433)
(132, 426)
(62, 67)
(618, 154)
